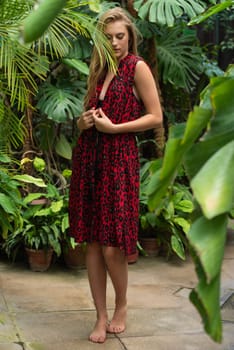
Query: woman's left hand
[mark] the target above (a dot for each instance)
(103, 123)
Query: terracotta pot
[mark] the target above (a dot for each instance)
(150, 245)
(74, 258)
(133, 257)
(39, 260)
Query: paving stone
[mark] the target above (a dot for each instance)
(110, 344)
(8, 333)
(157, 296)
(177, 342)
(162, 321)
(8, 346)
(55, 326)
(60, 292)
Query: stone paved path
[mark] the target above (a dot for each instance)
(54, 310)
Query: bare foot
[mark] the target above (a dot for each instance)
(118, 322)
(98, 334)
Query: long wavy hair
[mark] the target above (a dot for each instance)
(99, 64)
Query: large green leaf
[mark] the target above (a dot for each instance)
(59, 104)
(165, 12)
(213, 185)
(179, 56)
(223, 106)
(217, 99)
(178, 144)
(205, 298)
(207, 238)
(202, 151)
(40, 19)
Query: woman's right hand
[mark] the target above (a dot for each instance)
(86, 120)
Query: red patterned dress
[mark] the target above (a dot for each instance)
(104, 190)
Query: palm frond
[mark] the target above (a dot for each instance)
(12, 131)
(20, 65)
(12, 11)
(180, 60)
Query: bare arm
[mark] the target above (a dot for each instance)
(147, 92)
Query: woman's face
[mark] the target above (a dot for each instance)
(117, 33)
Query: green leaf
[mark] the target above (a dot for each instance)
(56, 206)
(183, 223)
(213, 184)
(210, 12)
(179, 57)
(207, 238)
(77, 64)
(177, 246)
(29, 179)
(94, 5)
(165, 12)
(8, 204)
(39, 20)
(185, 206)
(63, 147)
(205, 298)
(59, 104)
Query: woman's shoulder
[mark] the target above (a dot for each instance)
(134, 58)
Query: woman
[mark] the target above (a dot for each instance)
(104, 189)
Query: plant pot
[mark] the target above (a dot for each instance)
(74, 258)
(150, 245)
(39, 260)
(132, 259)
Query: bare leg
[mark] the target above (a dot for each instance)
(97, 274)
(118, 270)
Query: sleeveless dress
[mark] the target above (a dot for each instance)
(104, 189)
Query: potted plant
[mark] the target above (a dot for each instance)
(39, 232)
(166, 227)
(11, 197)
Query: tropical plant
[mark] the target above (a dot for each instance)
(205, 146)
(42, 225)
(11, 197)
(170, 221)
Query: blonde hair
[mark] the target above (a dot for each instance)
(99, 64)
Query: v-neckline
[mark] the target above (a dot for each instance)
(105, 86)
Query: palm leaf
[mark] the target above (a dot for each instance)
(180, 61)
(12, 131)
